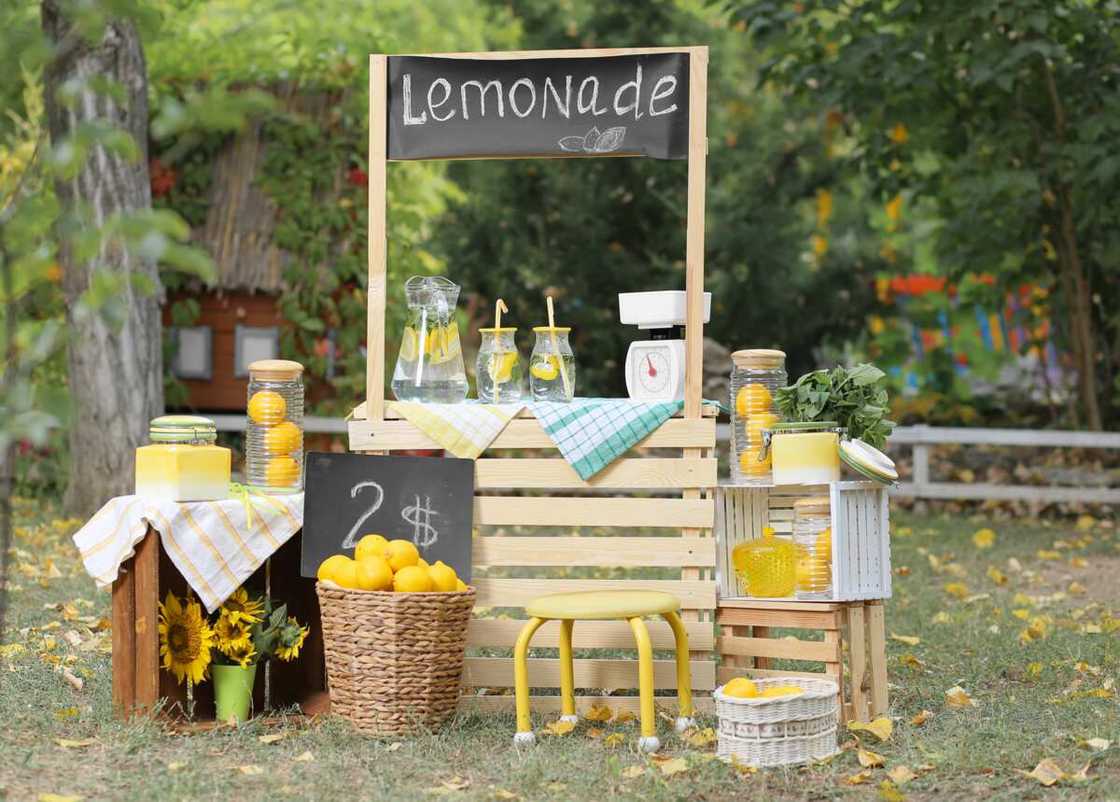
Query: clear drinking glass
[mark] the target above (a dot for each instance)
(274, 434)
(498, 371)
(552, 367)
(430, 363)
(757, 374)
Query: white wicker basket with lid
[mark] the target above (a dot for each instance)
(781, 730)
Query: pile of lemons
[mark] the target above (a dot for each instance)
(743, 688)
(393, 565)
(754, 404)
(282, 438)
(441, 343)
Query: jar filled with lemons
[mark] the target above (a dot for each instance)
(757, 374)
(274, 434)
(812, 538)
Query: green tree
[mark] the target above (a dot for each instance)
(1004, 115)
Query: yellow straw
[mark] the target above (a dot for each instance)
(556, 348)
(499, 307)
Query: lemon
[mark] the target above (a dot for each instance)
(284, 438)
(422, 563)
(460, 585)
(501, 366)
(756, 422)
(371, 546)
(442, 343)
(267, 407)
(401, 554)
(328, 567)
(374, 573)
(824, 545)
(412, 579)
(741, 688)
(781, 690)
(546, 368)
(752, 398)
(410, 348)
(443, 577)
(749, 464)
(281, 472)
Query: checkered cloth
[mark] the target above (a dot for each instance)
(212, 543)
(466, 430)
(592, 432)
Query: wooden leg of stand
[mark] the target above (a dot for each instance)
(877, 646)
(146, 611)
(762, 662)
(124, 641)
(857, 660)
(835, 668)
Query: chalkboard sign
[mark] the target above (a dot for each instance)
(427, 500)
(630, 105)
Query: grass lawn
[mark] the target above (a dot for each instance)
(1037, 696)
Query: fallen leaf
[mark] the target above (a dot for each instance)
(1014, 566)
(75, 640)
(456, 783)
(614, 739)
(630, 772)
(559, 727)
(594, 732)
(1034, 670)
(175, 765)
(598, 712)
(889, 792)
(958, 697)
(942, 618)
(1048, 554)
(75, 682)
(983, 538)
(66, 743)
(673, 766)
(1047, 772)
(502, 793)
(741, 767)
(273, 738)
(881, 727)
(869, 759)
(1095, 744)
(958, 589)
(996, 575)
(702, 738)
(921, 718)
(900, 775)
(305, 757)
(623, 716)
(909, 640)
(911, 662)
(1082, 774)
(1086, 522)
(859, 778)
(1021, 613)
(1076, 589)
(1084, 668)
(58, 798)
(394, 746)
(251, 770)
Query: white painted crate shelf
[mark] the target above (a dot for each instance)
(861, 549)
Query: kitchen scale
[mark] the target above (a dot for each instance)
(655, 367)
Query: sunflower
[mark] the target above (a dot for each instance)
(292, 636)
(239, 607)
(244, 654)
(185, 639)
(231, 634)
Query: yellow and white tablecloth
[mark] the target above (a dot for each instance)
(216, 545)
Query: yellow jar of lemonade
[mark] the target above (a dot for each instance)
(767, 566)
(805, 453)
(182, 463)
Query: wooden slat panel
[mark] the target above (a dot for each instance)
(499, 632)
(725, 674)
(671, 552)
(795, 619)
(591, 511)
(747, 603)
(781, 648)
(655, 472)
(359, 413)
(522, 433)
(551, 704)
(694, 594)
(497, 672)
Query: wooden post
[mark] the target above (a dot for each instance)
(378, 237)
(124, 642)
(694, 229)
(146, 611)
(857, 659)
(877, 646)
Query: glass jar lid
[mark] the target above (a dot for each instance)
(868, 461)
(192, 429)
(801, 427)
(813, 505)
(498, 330)
(550, 329)
(275, 370)
(759, 359)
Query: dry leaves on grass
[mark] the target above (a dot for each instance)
(997, 576)
(502, 793)
(630, 772)
(921, 718)
(251, 770)
(911, 662)
(272, 738)
(451, 786)
(67, 743)
(1095, 744)
(305, 757)
(869, 759)
(623, 716)
(957, 589)
(942, 618)
(909, 640)
(58, 798)
(859, 778)
(881, 727)
(700, 739)
(614, 739)
(1048, 773)
(958, 697)
(670, 765)
(983, 538)
(743, 768)
(559, 727)
(900, 775)
(598, 712)
(889, 792)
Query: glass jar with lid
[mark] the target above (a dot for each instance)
(498, 371)
(183, 463)
(812, 537)
(804, 453)
(766, 566)
(274, 432)
(552, 366)
(757, 374)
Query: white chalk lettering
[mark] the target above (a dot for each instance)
(582, 107)
(636, 85)
(525, 82)
(482, 90)
(671, 82)
(407, 92)
(567, 107)
(433, 105)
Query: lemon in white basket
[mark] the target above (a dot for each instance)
(741, 688)
(781, 690)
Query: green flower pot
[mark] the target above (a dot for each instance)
(233, 691)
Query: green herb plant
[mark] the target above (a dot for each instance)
(855, 397)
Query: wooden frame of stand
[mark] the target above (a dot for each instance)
(508, 489)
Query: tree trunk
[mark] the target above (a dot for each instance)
(116, 369)
(1079, 303)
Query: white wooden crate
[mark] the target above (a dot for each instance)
(861, 549)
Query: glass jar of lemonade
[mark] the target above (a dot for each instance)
(182, 463)
(805, 453)
(498, 371)
(274, 432)
(812, 538)
(757, 374)
(552, 366)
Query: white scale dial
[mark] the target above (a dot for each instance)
(652, 371)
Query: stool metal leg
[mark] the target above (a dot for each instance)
(648, 741)
(567, 678)
(684, 673)
(524, 733)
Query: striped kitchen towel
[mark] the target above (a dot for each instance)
(592, 432)
(216, 545)
(466, 429)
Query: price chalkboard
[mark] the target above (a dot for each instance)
(427, 500)
(627, 105)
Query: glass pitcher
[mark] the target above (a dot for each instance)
(430, 363)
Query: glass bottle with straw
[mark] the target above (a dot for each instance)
(498, 372)
(552, 366)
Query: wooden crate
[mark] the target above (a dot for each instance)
(852, 651)
(861, 547)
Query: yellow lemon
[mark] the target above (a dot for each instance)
(371, 546)
(267, 407)
(501, 366)
(344, 573)
(756, 423)
(752, 398)
(781, 690)
(284, 438)
(546, 368)
(422, 563)
(412, 579)
(460, 585)
(750, 465)
(328, 566)
(443, 577)
(374, 573)
(803, 569)
(442, 344)
(281, 472)
(410, 348)
(741, 687)
(824, 545)
(401, 554)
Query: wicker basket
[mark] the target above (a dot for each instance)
(780, 731)
(394, 660)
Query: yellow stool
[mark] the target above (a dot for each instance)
(598, 605)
